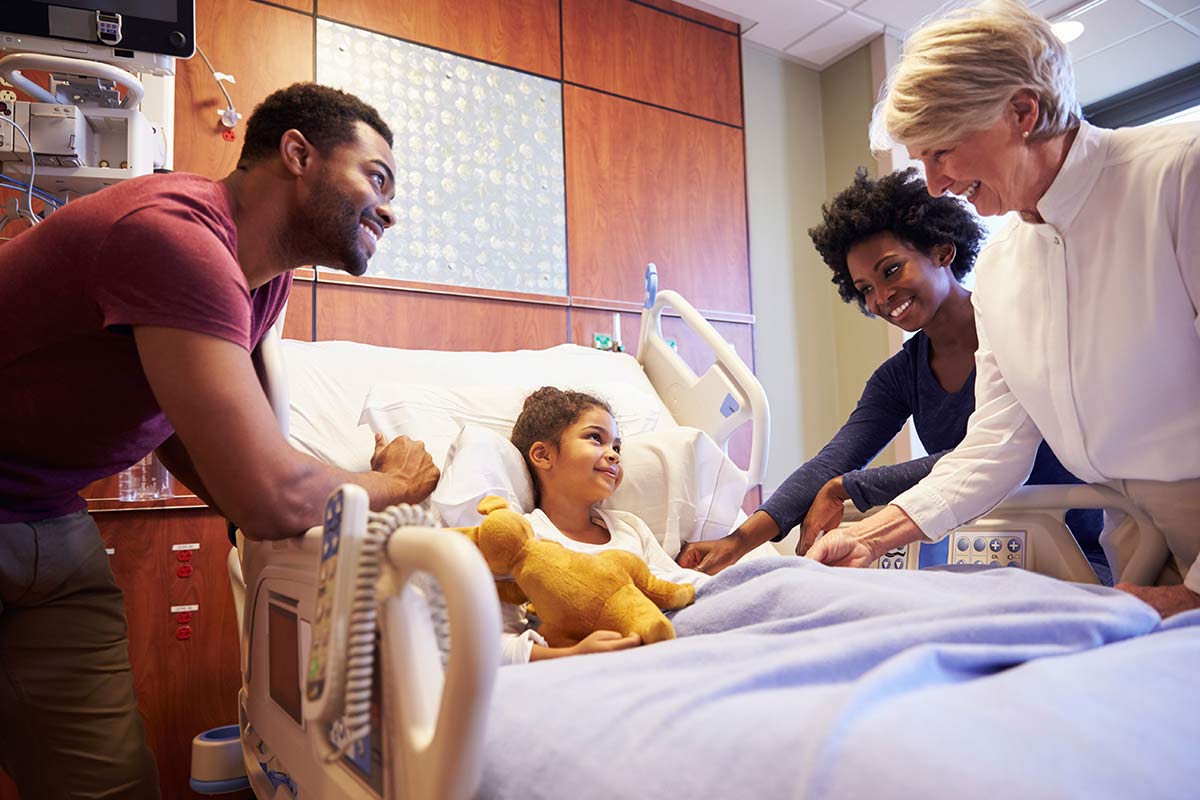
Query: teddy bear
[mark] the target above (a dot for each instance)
(574, 593)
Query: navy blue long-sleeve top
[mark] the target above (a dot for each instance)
(901, 387)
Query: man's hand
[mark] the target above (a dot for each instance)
(408, 464)
(713, 555)
(1166, 600)
(825, 513)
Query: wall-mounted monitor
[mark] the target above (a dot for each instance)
(78, 27)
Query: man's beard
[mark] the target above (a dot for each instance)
(332, 227)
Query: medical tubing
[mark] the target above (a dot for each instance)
(35, 219)
(360, 640)
(45, 197)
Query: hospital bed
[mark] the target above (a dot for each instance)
(887, 682)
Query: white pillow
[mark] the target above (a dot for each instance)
(329, 381)
(678, 481)
(435, 414)
(480, 462)
(681, 484)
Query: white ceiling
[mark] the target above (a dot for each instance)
(1125, 43)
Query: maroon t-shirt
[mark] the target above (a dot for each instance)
(74, 403)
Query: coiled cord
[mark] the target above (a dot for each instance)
(355, 723)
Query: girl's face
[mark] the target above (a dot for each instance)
(898, 283)
(586, 465)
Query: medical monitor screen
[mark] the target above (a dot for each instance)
(166, 27)
(162, 10)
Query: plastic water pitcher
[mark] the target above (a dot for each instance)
(146, 480)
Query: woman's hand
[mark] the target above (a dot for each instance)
(712, 556)
(825, 513)
(842, 549)
(860, 544)
(1166, 600)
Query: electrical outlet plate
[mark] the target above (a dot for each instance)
(602, 341)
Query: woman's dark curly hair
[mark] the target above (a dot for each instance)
(897, 203)
(546, 413)
(325, 116)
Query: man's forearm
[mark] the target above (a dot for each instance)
(175, 458)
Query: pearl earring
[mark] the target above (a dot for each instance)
(1025, 135)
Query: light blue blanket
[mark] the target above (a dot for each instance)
(791, 679)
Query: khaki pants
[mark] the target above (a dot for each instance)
(69, 724)
(1175, 508)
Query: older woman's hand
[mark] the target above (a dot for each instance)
(1166, 600)
(860, 544)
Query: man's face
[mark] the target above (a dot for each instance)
(348, 205)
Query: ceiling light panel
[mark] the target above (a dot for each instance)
(790, 20)
(831, 42)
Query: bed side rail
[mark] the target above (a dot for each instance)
(718, 402)
(1039, 512)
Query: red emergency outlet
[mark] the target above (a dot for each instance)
(183, 632)
(184, 570)
(184, 555)
(183, 617)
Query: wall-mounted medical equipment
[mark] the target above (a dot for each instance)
(95, 121)
(140, 35)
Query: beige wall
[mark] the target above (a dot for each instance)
(805, 134)
(785, 176)
(847, 97)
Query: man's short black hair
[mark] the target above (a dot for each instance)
(899, 204)
(325, 116)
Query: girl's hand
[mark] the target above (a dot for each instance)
(825, 513)
(604, 642)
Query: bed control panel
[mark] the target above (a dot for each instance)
(897, 558)
(997, 548)
(344, 528)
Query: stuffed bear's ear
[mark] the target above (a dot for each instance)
(491, 503)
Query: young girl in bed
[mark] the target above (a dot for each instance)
(572, 450)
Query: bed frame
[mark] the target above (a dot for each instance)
(429, 717)
(430, 721)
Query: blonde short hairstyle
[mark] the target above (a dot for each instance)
(957, 73)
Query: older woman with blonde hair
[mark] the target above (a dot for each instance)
(1085, 303)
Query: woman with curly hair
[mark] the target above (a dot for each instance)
(901, 255)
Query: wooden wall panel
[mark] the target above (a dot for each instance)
(297, 324)
(644, 184)
(263, 47)
(183, 686)
(696, 14)
(299, 5)
(523, 34)
(638, 52)
(425, 321)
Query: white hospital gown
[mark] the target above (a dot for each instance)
(626, 532)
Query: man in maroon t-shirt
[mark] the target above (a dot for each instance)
(128, 321)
